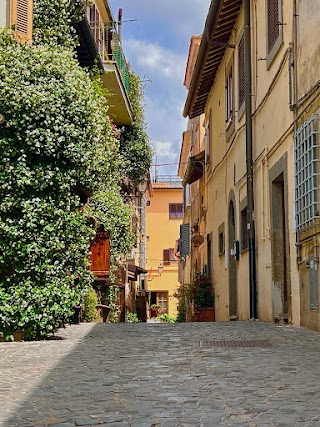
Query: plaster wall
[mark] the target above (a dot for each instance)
(272, 138)
(162, 234)
(308, 12)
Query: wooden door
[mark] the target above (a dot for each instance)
(100, 253)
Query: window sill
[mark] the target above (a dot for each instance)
(230, 129)
(241, 111)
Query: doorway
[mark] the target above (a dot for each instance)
(280, 248)
(232, 264)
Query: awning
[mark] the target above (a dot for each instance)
(134, 271)
(195, 168)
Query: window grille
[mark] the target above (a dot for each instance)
(244, 229)
(307, 173)
(242, 80)
(273, 23)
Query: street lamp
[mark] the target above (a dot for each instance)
(152, 276)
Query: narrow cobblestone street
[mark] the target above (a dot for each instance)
(150, 375)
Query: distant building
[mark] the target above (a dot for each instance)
(164, 215)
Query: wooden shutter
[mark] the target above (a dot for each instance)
(21, 19)
(166, 256)
(184, 239)
(242, 80)
(273, 23)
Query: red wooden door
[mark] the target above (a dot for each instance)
(100, 254)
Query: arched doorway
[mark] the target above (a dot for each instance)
(232, 264)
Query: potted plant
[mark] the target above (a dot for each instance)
(155, 308)
(203, 297)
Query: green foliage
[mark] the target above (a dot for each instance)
(184, 294)
(109, 209)
(166, 318)
(89, 304)
(132, 318)
(57, 147)
(203, 293)
(53, 19)
(134, 141)
(37, 311)
(60, 174)
(113, 302)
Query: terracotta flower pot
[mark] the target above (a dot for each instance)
(204, 315)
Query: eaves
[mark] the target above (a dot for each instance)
(219, 24)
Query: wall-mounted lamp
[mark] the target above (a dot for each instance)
(152, 275)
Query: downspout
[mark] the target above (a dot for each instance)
(249, 160)
(143, 231)
(295, 107)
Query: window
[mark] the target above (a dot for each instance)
(221, 239)
(168, 256)
(175, 210)
(241, 73)
(208, 137)
(307, 170)
(229, 97)
(21, 18)
(274, 28)
(273, 23)
(94, 18)
(244, 229)
(162, 300)
(209, 255)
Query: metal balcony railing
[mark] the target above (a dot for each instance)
(110, 50)
(171, 180)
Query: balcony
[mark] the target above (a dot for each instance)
(100, 45)
(167, 181)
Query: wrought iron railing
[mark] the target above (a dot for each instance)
(110, 49)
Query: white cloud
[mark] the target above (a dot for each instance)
(157, 59)
(165, 150)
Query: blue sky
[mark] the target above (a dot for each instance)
(157, 46)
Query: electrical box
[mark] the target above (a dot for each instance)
(235, 250)
(313, 282)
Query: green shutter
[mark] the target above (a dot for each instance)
(184, 239)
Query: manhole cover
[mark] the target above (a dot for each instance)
(237, 343)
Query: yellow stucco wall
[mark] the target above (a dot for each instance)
(162, 234)
(272, 139)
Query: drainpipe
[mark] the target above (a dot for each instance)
(143, 239)
(295, 107)
(249, 160)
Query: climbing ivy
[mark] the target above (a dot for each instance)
(53, 19)
(58, 150)
(60, 173)
(134, 142)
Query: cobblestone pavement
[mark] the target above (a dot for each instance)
(158, 375)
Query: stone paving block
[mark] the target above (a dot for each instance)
(180, 384)
(85, 422)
